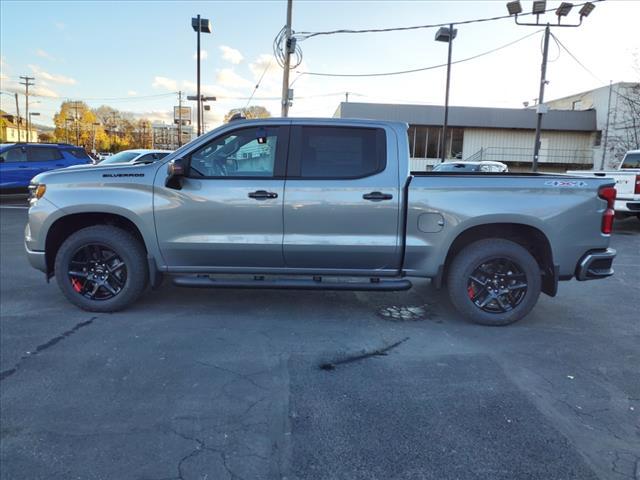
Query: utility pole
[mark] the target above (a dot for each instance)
(287, 62)
(27, 83)
(606, 130)
(539, 8)
(180, 118)
(346, 97)
(541, 108)
(198, 75)
(18, 114)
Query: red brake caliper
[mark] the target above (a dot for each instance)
(76, 285)
(470, 292)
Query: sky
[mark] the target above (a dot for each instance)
(134, 55)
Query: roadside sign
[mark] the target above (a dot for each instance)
(183, 114)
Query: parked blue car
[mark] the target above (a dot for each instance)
(20, 162)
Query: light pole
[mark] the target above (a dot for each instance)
(199, 106)
(446, 34)
(199, 25)
(540, 7)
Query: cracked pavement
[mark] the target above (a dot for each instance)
(205, 384)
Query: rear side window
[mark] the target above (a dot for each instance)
(79, 153)
(632, 160)
(342, 152)
(14, 155)
(43, 154)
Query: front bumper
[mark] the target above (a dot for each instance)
(595, 264)
(36, 259)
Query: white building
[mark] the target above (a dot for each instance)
(623, 117)
(499, 134)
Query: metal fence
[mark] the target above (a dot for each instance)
(546, 155)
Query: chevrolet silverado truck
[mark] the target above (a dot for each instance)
(316, 204)
(627, 183)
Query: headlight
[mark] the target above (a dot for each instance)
(36, 191)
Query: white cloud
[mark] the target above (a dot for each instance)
(44, 54)
(60, 25)
(231, 54)
(56, 78)
(132, 93)
(166, 83)
(203, 55)
(42, 91)
(228, 78)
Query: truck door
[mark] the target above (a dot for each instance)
(228, 212)
(42, 159)
(14, 168)
(342, 199)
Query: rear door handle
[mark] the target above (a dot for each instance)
(263, 195)
(377, 196)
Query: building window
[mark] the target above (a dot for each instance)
(597, 140)
(455, 141)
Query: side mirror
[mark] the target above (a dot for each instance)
(175, 174)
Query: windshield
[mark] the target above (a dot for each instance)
(455, 167)
(632, 160)
(122, 157)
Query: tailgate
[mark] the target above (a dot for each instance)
(625, 181)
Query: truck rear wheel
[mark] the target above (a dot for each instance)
(101, 268)
(494, 282)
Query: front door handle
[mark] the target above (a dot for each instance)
(377, 196)
(263, 195)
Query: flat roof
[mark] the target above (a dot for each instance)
(471, 117)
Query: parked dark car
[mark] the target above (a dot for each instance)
(20, 162)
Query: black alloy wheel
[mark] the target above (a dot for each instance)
(497, 285)
(97, 272)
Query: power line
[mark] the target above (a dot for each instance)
(421, 69)
(307, 35)
(590, 71)
(258, 84)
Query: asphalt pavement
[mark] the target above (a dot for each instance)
(208, 384)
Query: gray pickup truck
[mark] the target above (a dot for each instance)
(316, 204)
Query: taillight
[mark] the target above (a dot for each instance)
(608, 194)
(637, 190)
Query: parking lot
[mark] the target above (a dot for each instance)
(206, 384)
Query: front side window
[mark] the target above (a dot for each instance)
(250, 152)
(342, 152)
(43, 154)
(14, 155)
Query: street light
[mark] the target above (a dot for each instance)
(201, 107)
(563, 10)
(200, 25)
(539, 7)
(446, 34)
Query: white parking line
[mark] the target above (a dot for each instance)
(14, 206)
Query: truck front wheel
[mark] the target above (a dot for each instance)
(101, 268)
(494, 282)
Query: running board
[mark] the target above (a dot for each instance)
(374, 284)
